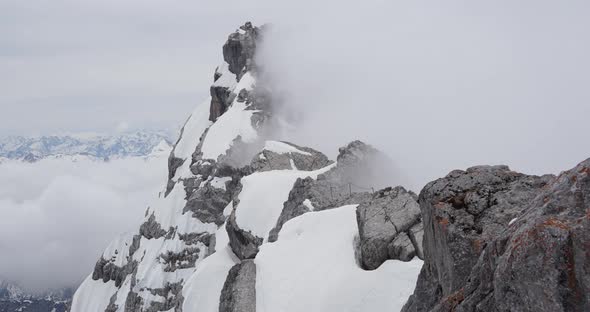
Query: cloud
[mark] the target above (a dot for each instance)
(58, 215)
(438, 86)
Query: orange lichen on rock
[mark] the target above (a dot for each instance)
(454, 299)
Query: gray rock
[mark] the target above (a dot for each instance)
(332, 189)
(243, 243)
(221, 98)
(401, 248)
(416, 235)
(365, 167)
(151, 228)
(184, 259)
(207, 204)
(239, 290)
(106, 270)
(392, 211)
(239, 49)
(322, 194)
(466, 218)
(267, 160)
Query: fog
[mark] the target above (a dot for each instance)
(439, 86)
(57, 216)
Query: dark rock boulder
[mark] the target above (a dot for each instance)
(239, 290)
(151, 228)
(497, 240)
(384, 223)
(239, 49)
(243, 243)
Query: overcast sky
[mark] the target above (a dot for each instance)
(91, 65)
(436, 85)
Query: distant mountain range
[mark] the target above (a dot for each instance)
(14, 298)
(104, 147)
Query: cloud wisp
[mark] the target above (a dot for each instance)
(439, 86)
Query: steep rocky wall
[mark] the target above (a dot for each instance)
(497, 240)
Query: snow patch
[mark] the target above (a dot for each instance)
(191, 134)
(236, 121)
(203, 288)
(90, 296)
(263, 195)
(307, 203)
(283, 148)
(220, 182)
(317, 249)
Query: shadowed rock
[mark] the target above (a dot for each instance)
(243, 243)
(239, 290)
(239, 49)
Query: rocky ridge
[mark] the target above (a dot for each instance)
(197, 247)
(250, 223)
(498, 240)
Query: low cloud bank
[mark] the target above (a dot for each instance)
(58, 215)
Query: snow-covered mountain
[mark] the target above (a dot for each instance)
(249, 223)
(15, 298)
(138, 143)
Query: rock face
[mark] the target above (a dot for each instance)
(492, 237)
(286, 155)
(386, 224)
(147, 271)
(334, 188)
(239, 49)
(239, 290)
(243, 243)
(238, 53)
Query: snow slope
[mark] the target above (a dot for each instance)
(312, 268)
(263, 195)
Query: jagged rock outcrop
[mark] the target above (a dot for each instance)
(385, 225)
(238, 53)
(243, 243)
(286, 155)
(239, 290)
(339, 186)
(497, 240)
(150, 268)
(239, 49)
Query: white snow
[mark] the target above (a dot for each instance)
(263, 195)
(191, 133)
(283, 148)
(236, 121)
(307, 203)
(91, 295)
(227, 79)
(203, 289)
(219, 182)
(312, 268)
